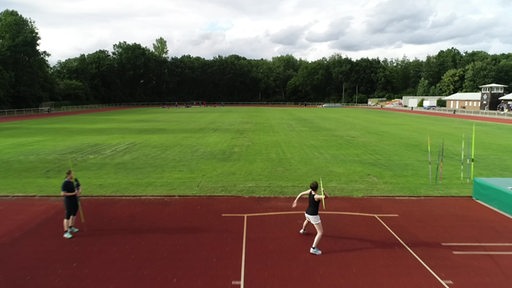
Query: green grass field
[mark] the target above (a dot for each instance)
(246, 151)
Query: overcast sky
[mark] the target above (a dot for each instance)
(257, 29)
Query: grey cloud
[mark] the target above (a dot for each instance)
(397, 16)
(252, 48)
(357, 42)
(288, 36)
(437, 21)
(212, 38)
(247, 6)
(393, 24)
(334, 31)
(457, 29)
(264, 28)
(388, 24)
(209, 45)
(351, 46)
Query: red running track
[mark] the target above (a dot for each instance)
(254, 242)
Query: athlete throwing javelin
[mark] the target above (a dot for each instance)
(70, 190)
(312, 214)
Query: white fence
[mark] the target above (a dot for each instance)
(45, 110)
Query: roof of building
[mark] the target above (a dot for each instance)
(493, 85)
(422, 97)
(506, 97)
(464, 96)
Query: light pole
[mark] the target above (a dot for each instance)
(357, 92)
(343, 94)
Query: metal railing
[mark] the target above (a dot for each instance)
(71, 108)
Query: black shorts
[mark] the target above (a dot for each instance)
(71, 205)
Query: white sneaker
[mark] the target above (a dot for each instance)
(315, 251)
(67, 235)
(302, 231)
(73, 229)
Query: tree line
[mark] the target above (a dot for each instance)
(134, 73)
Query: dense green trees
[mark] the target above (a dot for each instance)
(24, 71)
(133, 73)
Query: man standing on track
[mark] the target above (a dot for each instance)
(312, 214)
(70, 190)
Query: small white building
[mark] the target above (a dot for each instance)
(464, 100)
(412, 101)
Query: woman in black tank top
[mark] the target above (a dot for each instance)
(312, 214)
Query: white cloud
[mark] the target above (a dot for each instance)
(267, 28)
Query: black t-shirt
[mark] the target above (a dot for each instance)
(313, 204)
(69, 187)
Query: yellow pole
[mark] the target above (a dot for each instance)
(473, 153)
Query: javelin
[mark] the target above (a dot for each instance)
(322, 190)
(80, 209)
(462, 160)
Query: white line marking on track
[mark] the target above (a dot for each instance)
(301, 212)
(412, 252)
(492, 208)
(244, 239)
(476, 244)
(482, 252)
(479, 245)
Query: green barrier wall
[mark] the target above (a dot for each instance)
(495, 192)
